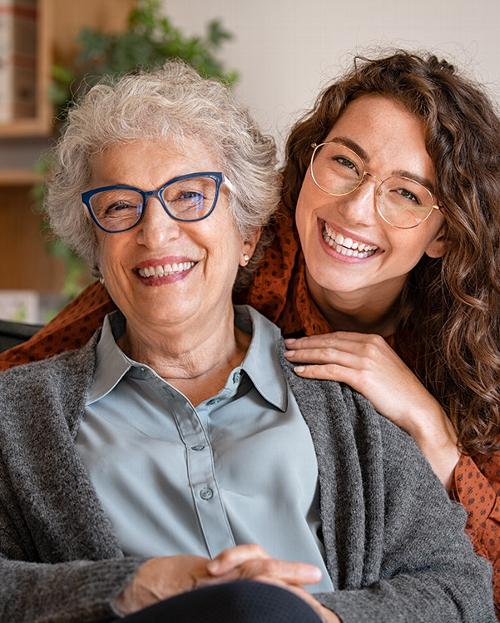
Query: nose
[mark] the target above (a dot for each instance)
(358, 207)
(156, 227)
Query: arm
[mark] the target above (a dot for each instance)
(478, 490)
(369, 365)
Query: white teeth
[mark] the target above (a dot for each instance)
(347, 246)
(166, 269)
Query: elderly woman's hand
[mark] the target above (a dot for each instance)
(164, 577)
(252, 562)
(161, 578)
(369, 365)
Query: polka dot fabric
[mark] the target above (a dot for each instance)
(478, 490)
(280, 292)
(70, 329)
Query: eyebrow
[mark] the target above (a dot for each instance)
(357, 149)
(416, 178)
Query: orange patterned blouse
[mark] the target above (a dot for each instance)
(280, 292)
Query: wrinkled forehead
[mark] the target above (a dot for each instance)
(152, 161)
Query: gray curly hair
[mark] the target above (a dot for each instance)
(174, 101)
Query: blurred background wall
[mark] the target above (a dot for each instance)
(286, 50)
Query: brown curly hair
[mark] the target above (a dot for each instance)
(448, 312)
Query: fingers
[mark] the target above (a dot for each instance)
(253, 562)
(232, 557)
(324, 356)
(343, 340)
(329, 372)
(290, 573)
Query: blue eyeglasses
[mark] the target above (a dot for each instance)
(186, 198)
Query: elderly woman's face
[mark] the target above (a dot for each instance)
(163, 271)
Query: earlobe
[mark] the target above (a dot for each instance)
(438, 245)
(249, 245)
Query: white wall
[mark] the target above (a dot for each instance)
(286, 50)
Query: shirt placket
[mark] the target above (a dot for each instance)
(200, 467)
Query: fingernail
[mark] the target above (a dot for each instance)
(317, 573)
(213, 566)
(288, 353)
(290, 340)
(299, 369)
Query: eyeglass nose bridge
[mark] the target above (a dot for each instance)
(378, 182)
(147, 194)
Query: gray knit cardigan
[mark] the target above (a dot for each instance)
(395, 544)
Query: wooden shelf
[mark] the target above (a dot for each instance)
(23, 253)
(41, 124)
(21, 128)
(19, 177)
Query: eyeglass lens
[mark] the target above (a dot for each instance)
(402, 202)
(187, 200)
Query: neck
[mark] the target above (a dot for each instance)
(362, 311)
(194, 359)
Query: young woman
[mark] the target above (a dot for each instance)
(385, 258)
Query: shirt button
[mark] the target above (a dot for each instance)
(206, 494)
(213, 401)
(198, 448)
(236, 377)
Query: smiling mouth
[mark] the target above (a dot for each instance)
(349, 247)
(165, 270)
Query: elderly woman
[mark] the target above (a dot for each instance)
(176, 454)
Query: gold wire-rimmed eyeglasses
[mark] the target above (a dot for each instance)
(400, 201)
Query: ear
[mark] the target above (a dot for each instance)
(438, 245)
(249, 244)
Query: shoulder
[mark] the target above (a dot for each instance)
(342, 420)
(33, 387)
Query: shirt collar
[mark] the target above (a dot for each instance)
(112, 363)
(261, 362)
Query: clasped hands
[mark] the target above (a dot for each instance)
(164, 577)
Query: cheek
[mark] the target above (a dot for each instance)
(303, 214)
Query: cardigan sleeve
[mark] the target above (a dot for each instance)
(71, 592)
(428, 571)
(61, 592)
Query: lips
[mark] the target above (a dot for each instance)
(348, 246)
(163, 270)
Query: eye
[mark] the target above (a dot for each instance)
(187, 195)
(345, 162)
(408, 195)
(119, 206)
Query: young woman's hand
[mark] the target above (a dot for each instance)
(370, 366)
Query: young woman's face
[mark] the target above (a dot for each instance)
(373, 257)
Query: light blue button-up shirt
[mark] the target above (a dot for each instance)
(240, 467)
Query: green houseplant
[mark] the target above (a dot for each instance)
(148, 41)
